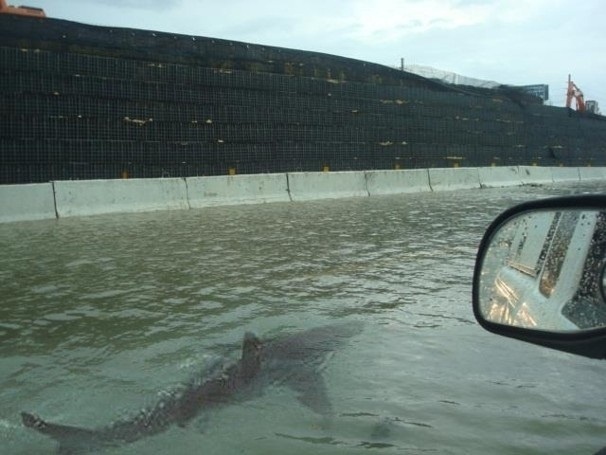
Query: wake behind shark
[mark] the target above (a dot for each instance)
(293, 361)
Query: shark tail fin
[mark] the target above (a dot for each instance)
(71, 439)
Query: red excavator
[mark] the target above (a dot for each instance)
(576, 93)
(21, 10)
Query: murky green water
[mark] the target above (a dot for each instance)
(99, 315)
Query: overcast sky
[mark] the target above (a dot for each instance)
(509, 41)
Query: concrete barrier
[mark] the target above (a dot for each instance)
(565, 174)
(592, 173)
(306, 186)
(459, 178)
(92, 197)
(499, 176)
(236, 189)
(539, 175)
(397, 182)
(26, 202)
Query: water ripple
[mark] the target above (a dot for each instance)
(100, 313)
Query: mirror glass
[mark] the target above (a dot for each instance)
(545, 270)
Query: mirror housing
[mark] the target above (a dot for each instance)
(540, 274)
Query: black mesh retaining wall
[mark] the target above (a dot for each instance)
(70, 110)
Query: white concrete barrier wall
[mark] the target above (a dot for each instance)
(565, 174)
(89, 197)
(499, 176)
(397, 182)
(92, 197)
(592, 173)
(306, 186)
(236, 189)
(27, 202)
(535, 175)
(459, 178)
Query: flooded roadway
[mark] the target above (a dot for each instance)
(100, 315)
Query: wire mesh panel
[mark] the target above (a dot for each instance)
(67, 114)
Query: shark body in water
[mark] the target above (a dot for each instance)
(294, 361)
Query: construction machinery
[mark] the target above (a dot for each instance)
(576, 93)
(21, 10)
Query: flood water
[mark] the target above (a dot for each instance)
(102, 315)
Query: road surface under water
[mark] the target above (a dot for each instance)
(102, 315)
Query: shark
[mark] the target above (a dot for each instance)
(293, 360)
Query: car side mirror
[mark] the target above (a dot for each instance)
(540, 274)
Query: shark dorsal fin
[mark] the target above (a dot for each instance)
(251, 345)
(251, 355)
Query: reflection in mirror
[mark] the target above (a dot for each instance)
(545, 270)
